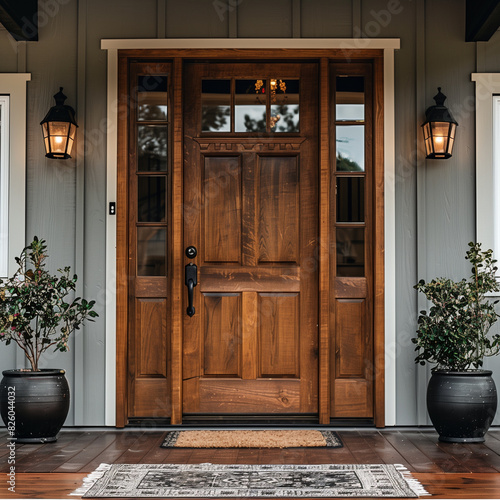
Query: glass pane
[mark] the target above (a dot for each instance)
(216, 106)
(250, 106)
(350, 98)
(350, 251)
(350, 199)
(152, 148)
(350, 148)
(151, 251)
(151, 199)
(284, 105)
(152, 97)
(440, 136)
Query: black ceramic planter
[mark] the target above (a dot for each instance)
(34, 404)
(461, 405)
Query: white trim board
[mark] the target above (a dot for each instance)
(487, 160)
(4, 184)
(14, 85)
(252, 43)
(388, 46)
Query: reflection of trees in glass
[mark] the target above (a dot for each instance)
(346, 164)
(289, 118)
(288, 121)
(214, 118)
(252, 125)
(150, 112)
(152, 147)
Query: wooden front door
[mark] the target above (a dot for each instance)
(251, 212)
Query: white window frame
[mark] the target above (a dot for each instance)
(4, 184)
(488, 161)
(14, 85)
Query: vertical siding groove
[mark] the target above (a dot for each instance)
(480, 57)
(296, 19)
(356, 18)
(233, 18)
(161, 6)
(79, 351)
(21, 57)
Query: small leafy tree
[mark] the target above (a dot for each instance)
(454, 333)
(34, 311)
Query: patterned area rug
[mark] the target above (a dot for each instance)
(249, 481)
(252, 439)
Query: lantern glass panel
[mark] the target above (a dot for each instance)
(45, 130)
(440, 136)
(59, 128)
(428, 146)
(450, 146)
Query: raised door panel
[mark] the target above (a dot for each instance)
(222, 209)
(222, 339)
(246, 396)
(352, 394)
(353, 398)
(279, 206)
(150, 394)
(151, 325)
(279, 334)
(351, 338)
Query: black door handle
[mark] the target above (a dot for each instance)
(191, 282)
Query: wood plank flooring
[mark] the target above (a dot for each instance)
(446, 470)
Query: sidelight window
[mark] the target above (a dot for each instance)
(152, 132)
(350, 165)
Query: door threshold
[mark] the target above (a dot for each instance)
(249, 421)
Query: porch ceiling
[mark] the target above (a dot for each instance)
(20, 18)
(482, 19)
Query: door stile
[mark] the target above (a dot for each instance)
(177, 246)
(378, 244)
(122, 248)
(324, 245)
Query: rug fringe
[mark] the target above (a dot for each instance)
(91, 479)
(413, 483)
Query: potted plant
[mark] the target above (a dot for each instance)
(37, 314)
(461, 397)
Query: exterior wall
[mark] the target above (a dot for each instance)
(66, 201)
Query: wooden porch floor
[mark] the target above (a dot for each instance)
(446, 470)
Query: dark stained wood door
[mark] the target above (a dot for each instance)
(251, 211)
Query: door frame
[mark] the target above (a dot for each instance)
(379, 50)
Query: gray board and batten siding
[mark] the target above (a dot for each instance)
(66, 201)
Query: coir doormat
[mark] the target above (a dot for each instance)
(252, 439)
(249, 481)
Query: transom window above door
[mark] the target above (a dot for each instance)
(251, 106)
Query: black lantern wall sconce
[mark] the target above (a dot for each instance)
(59, 129)
(439, 130)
